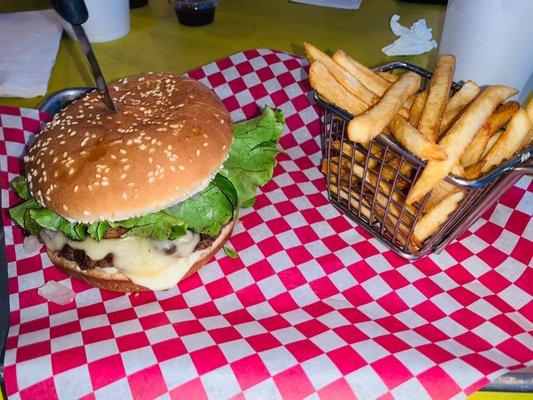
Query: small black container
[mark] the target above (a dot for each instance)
(138, 3)
(195, 12)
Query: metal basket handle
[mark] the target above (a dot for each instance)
(520, 164)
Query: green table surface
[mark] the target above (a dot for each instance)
(157, 42)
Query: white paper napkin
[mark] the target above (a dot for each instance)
(28, 49)
(411, 41)
(344, 4)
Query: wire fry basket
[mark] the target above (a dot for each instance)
(369, 183)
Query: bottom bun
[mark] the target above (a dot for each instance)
(119, 282)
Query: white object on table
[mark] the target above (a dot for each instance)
(411, 41)
(56, 293)
(28, 49)
(108, 20)
(344, 4)
(492, 41)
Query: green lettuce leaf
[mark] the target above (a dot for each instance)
(211, 209)
(33, 217)
(161, 225)
(97, 230)
(252, 156)
(73, 231)
(250, 164)
(18, 212)
(20, 186)
(231, 253)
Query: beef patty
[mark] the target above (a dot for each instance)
(85, 262)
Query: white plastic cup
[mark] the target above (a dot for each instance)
(492, 41)
(108, 20)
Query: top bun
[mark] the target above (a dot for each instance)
(169, 137)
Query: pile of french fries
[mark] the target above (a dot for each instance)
(466, 134)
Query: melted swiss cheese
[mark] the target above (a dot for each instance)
(138, 258)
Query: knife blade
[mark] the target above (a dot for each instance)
(75, 12)
(93, 64)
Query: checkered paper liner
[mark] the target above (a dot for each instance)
(313, 308)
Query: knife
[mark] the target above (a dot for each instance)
(75, 12)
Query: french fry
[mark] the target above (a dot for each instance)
(417, 108)
(370, 180)
(458, 103)
(408, 104)
(389, 76)
(529, 109)
(439, 92)
(501, 116)
(529, 139)
(458, 171)
(380, 205)
(375, 83)
(492, 141)
(365, 75)
(432, 221)
(439, 193)
(359, 156)
(325, 83)
(341, 75)
(458, 137)
(509, 142)
(389, 173)
(410, 138)
(370, 124)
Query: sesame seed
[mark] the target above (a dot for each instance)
(151, 179)
(76, 188)
(123, 176)
(205, 144)
(124, 195)
(181, 167)
(65, 207)
(126, 167)
(87, 213)
(197, 153)
(105, 183)
(71, 171)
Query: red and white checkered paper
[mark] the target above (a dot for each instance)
(313, 308)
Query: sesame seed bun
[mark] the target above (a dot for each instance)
(169, 137)
(119, 282)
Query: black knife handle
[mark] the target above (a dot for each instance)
(72, 11)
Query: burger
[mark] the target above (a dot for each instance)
(141, 198)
